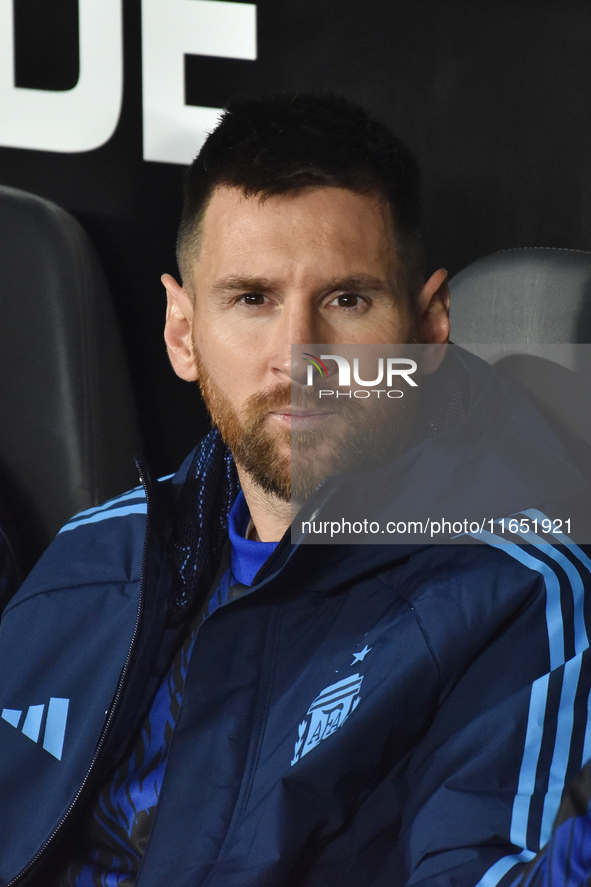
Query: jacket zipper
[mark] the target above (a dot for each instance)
(114, 705)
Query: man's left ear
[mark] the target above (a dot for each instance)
(434, 309)
(178, 332)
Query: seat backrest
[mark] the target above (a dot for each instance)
(528, 311)
(523, 297)
(69, 427)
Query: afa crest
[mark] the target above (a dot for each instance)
(328, 712)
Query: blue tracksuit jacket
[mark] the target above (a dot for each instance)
(363, 715)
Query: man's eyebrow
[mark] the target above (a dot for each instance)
(358, 282)
(241, 284)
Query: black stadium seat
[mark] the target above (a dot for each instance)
(528, 311)
(523, 297)
(68, 421)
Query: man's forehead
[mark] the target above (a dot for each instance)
(331, 223)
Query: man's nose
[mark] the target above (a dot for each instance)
(298, 325)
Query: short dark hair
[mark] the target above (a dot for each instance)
(288, 143)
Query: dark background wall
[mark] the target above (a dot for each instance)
(493, 97)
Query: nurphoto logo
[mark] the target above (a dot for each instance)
(390, 371)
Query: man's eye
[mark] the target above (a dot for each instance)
(346, 300)
(253, 299)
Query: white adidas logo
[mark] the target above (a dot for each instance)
(55, 723)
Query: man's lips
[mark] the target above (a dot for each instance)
(300, 418)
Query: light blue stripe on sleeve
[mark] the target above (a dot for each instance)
(537, 709)
(492, 877)
(139, 508)
(138, 493)
(581, 644)
(560, 758)
(574, 577)
(553, 607)
(561, 755)
(529, 764)
(560, 537)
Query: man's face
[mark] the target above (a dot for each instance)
(317, 266)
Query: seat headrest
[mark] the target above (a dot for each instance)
(523, 296)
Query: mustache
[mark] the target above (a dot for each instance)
(292, 395)
(288, 394)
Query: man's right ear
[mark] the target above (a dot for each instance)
(178, 331)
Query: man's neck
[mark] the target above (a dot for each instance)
(270, 515)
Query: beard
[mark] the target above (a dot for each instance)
(356, 437)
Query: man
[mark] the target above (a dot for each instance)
(188, 698)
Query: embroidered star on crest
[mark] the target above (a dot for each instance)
(359, 657)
